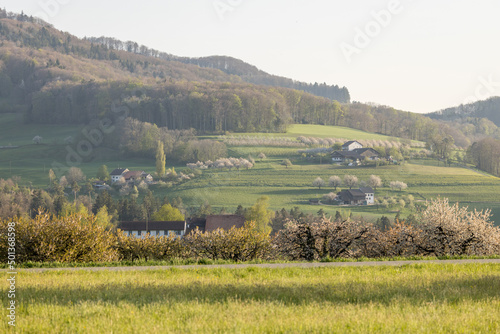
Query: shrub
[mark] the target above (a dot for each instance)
(452, 230)
(322, 238)
(237, 244)
(46, 238)
(149, 247)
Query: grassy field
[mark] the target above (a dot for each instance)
(289, 187)
(285, 187)
(326, 131)
(424, 298)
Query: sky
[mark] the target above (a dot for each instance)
(418, 56)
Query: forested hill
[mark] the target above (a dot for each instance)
(489, 109)
(54, 77)
(231, 66)
(252, 74)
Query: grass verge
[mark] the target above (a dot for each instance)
(423, 298)
(206, 262)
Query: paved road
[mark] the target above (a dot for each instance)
(267, 265)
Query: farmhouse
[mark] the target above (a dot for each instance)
(351, 145)
(362, 196)
(352, 197)
(369, 195)
(117, 174)
(181, 228)
(352, 151)
(129, 176)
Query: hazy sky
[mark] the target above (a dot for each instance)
(415, 55)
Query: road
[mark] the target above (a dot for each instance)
(266, 265)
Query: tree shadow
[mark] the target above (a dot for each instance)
(452, 290)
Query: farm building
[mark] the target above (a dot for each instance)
(354, 152)
(362, 196)
(129, 176)
(181, 228)
(351, 145)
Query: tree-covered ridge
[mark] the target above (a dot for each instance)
(253, 75)
(488, 109)
(54, 77)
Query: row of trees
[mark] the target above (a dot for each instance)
(440, 230)
(350, 181)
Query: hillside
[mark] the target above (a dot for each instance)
(488, 109)
(53, 77)
(252, 74)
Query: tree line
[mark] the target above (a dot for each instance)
(439, 230)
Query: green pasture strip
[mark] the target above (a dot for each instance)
(421, 298)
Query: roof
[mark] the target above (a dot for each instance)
(132, 174)
(364, 150)
(224, 221)
(152, 225)
(351, 142)
(193, 223)
(352, 195)
(347, 155)
(367, 190)
(118, 171)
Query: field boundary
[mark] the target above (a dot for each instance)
(267, 265)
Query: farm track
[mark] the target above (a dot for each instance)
(265, 265)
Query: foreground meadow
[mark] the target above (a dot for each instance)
(423, 298)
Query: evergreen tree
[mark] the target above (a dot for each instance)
(103, 199)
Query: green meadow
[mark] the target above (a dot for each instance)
(421, 298)
(286, 187)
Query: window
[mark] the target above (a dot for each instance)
(153, 233)
(135, 233)
(162, 233)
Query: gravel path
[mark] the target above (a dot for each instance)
(267, 265)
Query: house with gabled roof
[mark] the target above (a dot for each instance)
(351, 145)
(353, 151)
(351, 197)
(129, 176)
(117, 174)
(369, 194)
(361, 196)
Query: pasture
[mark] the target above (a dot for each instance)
(422, 298)
(286, 187)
